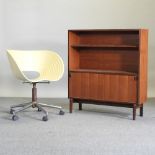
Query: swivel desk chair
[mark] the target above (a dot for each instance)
(49, 67)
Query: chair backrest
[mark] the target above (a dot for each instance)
(47, 63)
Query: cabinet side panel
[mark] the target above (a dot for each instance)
(143, 49)
(73, 58)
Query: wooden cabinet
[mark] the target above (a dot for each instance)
(108, 67)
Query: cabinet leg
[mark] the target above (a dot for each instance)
(134, 112)
(141, 110)
(80, 106)
(71, 105)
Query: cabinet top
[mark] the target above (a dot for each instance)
(122, 30)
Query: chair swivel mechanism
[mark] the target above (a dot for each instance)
(49, 67)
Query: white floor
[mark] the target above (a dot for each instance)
(96, 130)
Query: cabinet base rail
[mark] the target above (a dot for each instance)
(134, 106)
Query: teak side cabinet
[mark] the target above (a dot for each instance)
(108, 67)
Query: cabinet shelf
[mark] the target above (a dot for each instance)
(104, 46)
(117, 72)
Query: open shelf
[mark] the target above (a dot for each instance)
(103, 71)
(103, 46)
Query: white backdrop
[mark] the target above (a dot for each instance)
(44, 24)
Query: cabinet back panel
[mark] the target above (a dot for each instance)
(100, 38)
(109, 60)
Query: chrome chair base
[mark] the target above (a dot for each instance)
(21, 107)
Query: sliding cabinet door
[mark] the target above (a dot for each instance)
(104, 87)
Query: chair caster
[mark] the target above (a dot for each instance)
(15, 117)
(45, 118)
(11, 111)
(61, 112)
(39, 109)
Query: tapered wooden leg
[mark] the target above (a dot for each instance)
(80, 106)
(134, 111)
(141, 110)
(71, 105)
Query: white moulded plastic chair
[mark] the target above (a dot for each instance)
(49, 67)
